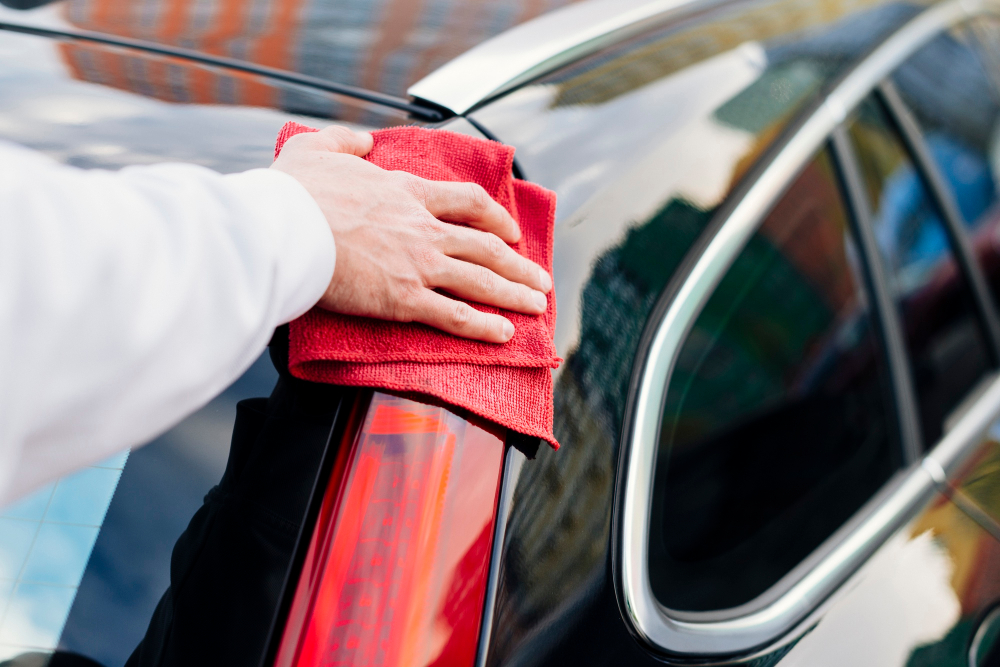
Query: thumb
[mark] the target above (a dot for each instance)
(339, 139)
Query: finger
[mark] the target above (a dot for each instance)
(461, 319)
(340, 139)
(477, 283)
(488, 250)
(470, 204)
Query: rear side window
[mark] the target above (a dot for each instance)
(778, 423)
(951, 87)
(944, 339)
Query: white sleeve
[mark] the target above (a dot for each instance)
(129, 299)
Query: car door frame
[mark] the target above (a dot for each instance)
(793, 602)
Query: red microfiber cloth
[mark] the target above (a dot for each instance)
(510, 384)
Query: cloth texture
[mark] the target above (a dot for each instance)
(510, 384)
(132, 298)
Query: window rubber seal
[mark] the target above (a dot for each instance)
(893, 341)
(941, 194)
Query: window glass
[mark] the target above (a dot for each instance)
(85, 560)
(945, 344)
(951, 87)
(46, 540)
(778, 421)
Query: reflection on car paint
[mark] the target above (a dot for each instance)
(629, 219)
(608, 136)
(45, 543)
(611, 156)
(915, 603)
(376, 45)
(88, 125)
(978, 480)
(161, 488)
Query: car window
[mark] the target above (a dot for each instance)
(945, 343)
(46, 540)
(951, 85)
(85, 560)
(778, 421)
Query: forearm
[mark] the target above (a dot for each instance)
(131, 298)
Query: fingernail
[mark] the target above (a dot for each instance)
(540, 300)
(546, 280)
(508, 330)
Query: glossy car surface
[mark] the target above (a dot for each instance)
(776, 264)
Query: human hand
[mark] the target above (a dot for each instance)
(394, 250)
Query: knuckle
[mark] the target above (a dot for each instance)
(487, 282)
(526, 296)
(338, 138)
(495, 248)
(340, 131)
(431, 229)
(399, 310)
(477, 200)
(425, 258)
(404, 304)
(413, 185)
(461, 316)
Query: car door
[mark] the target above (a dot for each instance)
(650, 145)
(944, 101)
(760, 490)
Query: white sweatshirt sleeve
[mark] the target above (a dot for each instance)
(129, 299)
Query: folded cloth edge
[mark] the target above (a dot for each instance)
(353, 375)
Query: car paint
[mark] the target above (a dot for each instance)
(520, 118)
(555, 599)
(383, 45)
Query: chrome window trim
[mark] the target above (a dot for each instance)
(536, 47)
(985, 626)
(650, 620)
(883, 304)
(951, 450)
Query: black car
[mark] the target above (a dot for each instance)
(777, 264)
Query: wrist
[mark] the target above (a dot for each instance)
(299, 236)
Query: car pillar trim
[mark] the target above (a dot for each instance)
(955, 225)
(950, 451)
(656, 625)
(888, 320)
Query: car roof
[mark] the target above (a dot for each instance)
(430, 60)
(382, 46)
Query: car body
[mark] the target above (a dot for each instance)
(777, 260)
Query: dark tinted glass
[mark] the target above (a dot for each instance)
(945, 343)
(778, 423)
(951, 86)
